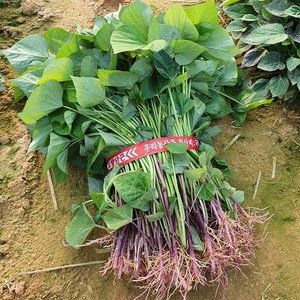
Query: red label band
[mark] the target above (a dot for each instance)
(150, 147)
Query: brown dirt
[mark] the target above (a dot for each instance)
(32, 232)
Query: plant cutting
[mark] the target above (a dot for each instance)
(132, 101)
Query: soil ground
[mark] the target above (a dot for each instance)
(32, 232)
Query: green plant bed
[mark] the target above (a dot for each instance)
(268, 35)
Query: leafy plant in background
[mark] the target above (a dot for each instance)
(172, 219)
(268, 34)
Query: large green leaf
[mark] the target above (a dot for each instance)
(186, 51)
(27, 52)
(277, 7)
(271, 62)
(56, 146)
(208, 191)
(118, 217)
(117, 78)
(56, 37)
(59, 70)
(138, 14)
(43, 100)
(218, 42)
(239, 10)
(279, 85)
(89, 91)
(134, 188)
(68, 48)
(102, 38)
(203, 13)
(127, 38)
(89, 67)
(165, 65)
(28, 82)
(80, 227)
(177, 17)
(268, 34)
(143, 67)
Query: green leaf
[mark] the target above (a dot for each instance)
(292, 63)
(89, 91)
(155, 217)
(203, 13)
(177, 17)
(59, 175)
(228, 2)
(27, 52)
(268, 34)
(261, 86)
(252, 99)
(62, 160)
(165, 65)
(118, 217)
(239, 196)
(218, 42)
(127, 38)
(293, 11)
(59, 70)
(134, 188)
(195, 174)
(278, 86)
(208, 191)
(129, 109)
(137, 14)
(183, 104)
(239, 10)
(100, 202)
(216, 173)
(110, 139)
(43, 100)
(68, 48)
(277, 7)
(227, 73)
(40, 134)
(271, 62)
(118, 78)
(56, 37)
(28, 82)
(102, 38)
(56, 146)
(88, 67)
(169, 33)
(80, 227)
(95, 185)
(252, 57)
(177, 148)
(199, 108)
(236, 26)
(197, 243)
(143, 67)
(186, 51)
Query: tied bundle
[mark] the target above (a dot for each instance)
(173, 221)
